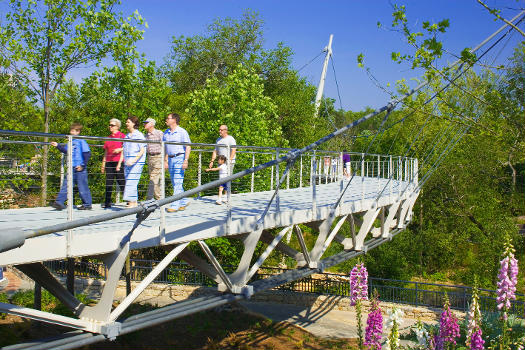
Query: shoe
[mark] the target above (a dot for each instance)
(171, 210)
(84, 207)
(182, 208)
(225, 201)
(58, 206)
(106, 205)
(218, 202)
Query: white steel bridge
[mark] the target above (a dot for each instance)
(268, 202)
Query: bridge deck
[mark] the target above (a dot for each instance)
(202, 219)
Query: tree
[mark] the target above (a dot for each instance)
(42, 41)
(240, 103)
(227, 43)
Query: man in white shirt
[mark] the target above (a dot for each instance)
(220, 149)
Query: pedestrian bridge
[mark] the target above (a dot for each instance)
(274, 192)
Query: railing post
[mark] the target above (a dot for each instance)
(277, 179)
(253, 174)
(162, 227)
(228, 192)
(70, 277)
(288, 179)
(271, 177)
(362, 176)
(301, 171)
(199, 172)
(417, 294)
(390, 175)
(61, 169)
(340, 172)
(314, 183)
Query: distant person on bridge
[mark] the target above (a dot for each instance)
(176, 159)
(153, 151)
(220, 149)
(347, 171)
(134, 158)
(112, 161)
(223, 172)
(81, 154)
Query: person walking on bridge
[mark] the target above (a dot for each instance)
(112, 162)
(80, 158)
(176, 159)
(134, 158)
(221, 149)
(153, 150)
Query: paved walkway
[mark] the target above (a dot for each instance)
(320, 321)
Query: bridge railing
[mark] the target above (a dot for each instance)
(22, 159)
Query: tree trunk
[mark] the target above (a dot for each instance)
(45, 157)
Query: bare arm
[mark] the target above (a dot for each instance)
(186, 157)
(213, 156)
(232, 153)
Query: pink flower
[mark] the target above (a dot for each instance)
(508, 278)
(448, 328)
(374, 327)
(476, 342)
(358, 283)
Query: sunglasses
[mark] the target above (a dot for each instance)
(112, 125)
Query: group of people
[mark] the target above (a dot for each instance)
(123, 161)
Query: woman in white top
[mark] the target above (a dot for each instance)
(134, 159)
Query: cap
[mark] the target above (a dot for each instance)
(149, 120)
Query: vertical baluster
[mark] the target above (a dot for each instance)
(162, 228)
(301, 171)
(253, 174)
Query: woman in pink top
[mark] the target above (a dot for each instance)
(112, 161)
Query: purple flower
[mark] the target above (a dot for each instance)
(476, 342)
(374, 327)
(448, 328)
(358, 283)
(508, 278)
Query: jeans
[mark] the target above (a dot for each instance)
(132, 174)
(177, 177)
(80, 179)
(111, 175)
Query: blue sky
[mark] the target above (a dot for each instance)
(305, 27)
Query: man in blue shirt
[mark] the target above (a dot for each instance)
(176, 159)
(81, 154)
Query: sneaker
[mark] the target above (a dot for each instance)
(225, 200)
(106, 205)
(84, 207)
(58, 206)
(218, 202)
(171, 210)
(182, 208)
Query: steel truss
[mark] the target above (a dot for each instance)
(102, 321)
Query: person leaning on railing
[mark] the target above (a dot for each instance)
(81, 154)
(112, 161)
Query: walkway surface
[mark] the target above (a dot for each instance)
(201, 220)
(320, 321)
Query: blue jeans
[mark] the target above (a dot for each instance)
(80, 179)
(177, 177)
(132, 174)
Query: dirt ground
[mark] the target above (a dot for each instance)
(231, 328)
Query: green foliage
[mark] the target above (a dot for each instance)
(240, 103)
